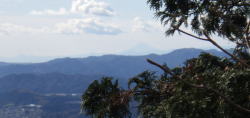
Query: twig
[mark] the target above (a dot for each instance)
(167, 70)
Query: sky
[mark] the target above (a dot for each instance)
(39, 30)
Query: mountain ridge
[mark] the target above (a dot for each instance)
(108, 65)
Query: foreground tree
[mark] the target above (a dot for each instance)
(102, 100)
(228, 19)
(206, 86)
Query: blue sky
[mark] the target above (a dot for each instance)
(77, 28)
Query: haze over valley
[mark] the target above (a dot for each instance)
(56, 86)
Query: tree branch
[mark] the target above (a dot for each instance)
(167, 70)
(247, 38)
(189, 34)
(225, 51)
(214, 43)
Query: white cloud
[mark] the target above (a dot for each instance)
(89, 9)
(9, 29)
(85, 7)
(72, 26)
(145, 26)
(88, 25)
(61, 11)
(92, 7)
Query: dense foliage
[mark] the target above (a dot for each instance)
(101, 100)
(227, 18)
(166, 96)
(206, 86)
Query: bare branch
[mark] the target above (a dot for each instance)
(247, 38)
(214, 43)
(189, 34)
(167, 70)
(225, 51)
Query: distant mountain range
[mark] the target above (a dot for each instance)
(108, 65)
(142, 49)
(46, 84)
(73, 75)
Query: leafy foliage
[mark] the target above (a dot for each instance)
(225, 17)
(228, 19)
(149, 92)
(207, 86)
(168, 97)
(100, 100)
(165, 96)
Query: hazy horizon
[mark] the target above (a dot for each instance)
(35, 31)
(36, 59)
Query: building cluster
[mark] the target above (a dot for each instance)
(24, 111)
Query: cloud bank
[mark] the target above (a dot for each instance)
(9, 29)
(84, 7)
(140, 25)
(88, 25)
(72, 26)
(61, 11)
(92, 7)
